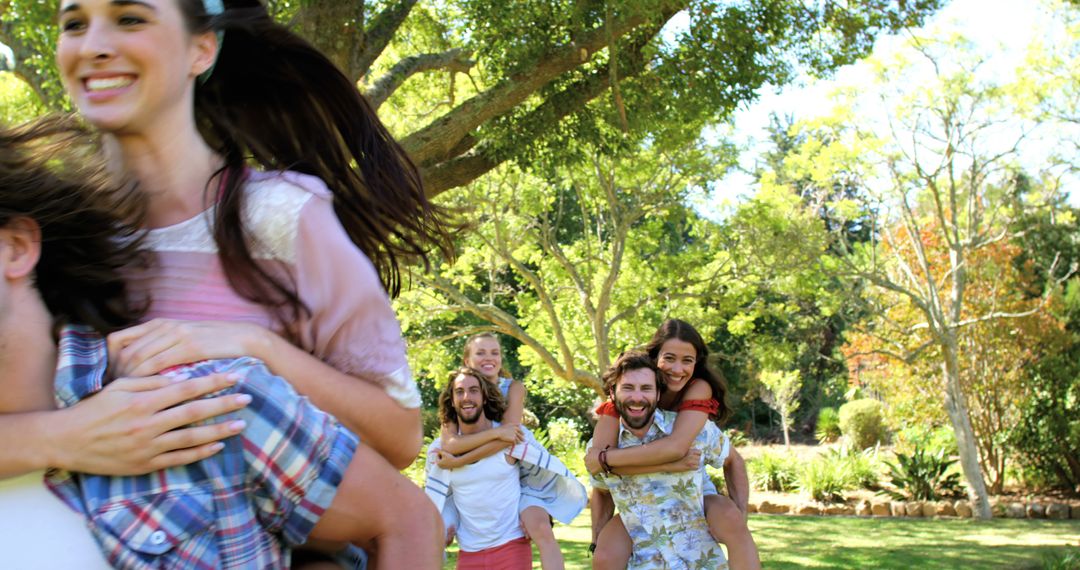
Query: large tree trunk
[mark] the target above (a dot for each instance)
(956, 406)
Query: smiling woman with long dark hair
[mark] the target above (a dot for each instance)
(279, 211)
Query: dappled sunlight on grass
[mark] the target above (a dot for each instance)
(792, 542)
(842, 542)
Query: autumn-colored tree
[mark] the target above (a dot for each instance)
(933, 171)
(992, 353)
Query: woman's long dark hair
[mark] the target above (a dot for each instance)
(274, 100)
(88, 231)
(684, 331)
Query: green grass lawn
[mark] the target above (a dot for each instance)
(790, 542)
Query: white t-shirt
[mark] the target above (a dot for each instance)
(39, 532)
(486, 494)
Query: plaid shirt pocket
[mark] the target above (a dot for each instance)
(171, 529)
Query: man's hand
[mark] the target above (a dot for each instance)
(450, 534)
(133, 426)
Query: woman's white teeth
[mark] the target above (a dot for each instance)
(101, 84)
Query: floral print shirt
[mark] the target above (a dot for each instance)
(664, 513)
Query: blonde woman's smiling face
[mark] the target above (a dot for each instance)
(676, 361)
(485, 355)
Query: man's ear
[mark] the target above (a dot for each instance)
(20, 248)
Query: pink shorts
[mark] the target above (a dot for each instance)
(514, 555)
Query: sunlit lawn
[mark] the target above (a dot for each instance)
(842, 542)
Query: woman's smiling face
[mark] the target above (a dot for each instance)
(485, 355)
(129, 63)
(676, 360)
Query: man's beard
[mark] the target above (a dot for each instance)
(467, 420)
(635, 422)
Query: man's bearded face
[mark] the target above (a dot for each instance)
(468, 399)
(636, 397)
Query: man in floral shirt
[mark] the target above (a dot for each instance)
(663, 512)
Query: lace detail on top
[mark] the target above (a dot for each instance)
(271, 215)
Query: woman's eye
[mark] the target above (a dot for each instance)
(71, 25)
(130, 20)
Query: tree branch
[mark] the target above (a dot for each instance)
(432, 143)
(455, 60)
(505, 323)
(461, 168)
(378, 35)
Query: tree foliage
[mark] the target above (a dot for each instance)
(471, 84)
(578, 264)
(933, 176)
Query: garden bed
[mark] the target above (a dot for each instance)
(867, 503)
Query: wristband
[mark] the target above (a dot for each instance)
(603, 461)
(592, 548)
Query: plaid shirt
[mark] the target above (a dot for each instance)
(244, 507)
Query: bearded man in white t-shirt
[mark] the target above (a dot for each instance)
(487, 492)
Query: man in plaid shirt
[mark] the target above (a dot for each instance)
(293, 472)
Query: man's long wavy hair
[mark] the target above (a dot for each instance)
(87, 235)
(494, 405)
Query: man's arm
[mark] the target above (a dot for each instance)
(737, 481)
(602, 509)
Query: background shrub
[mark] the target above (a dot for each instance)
(923, 476)
(563, 436)
(862, 422)
(933, 440)
(772, 472)
(738, 438)
(862, 469)
(828, 425)
(430, 418)
(825, 479)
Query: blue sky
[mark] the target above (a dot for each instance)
(1002, 29)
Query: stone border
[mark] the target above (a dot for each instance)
(929, 509)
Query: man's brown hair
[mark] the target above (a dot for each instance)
(494, 405)
(88, 229)
(628, 362)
